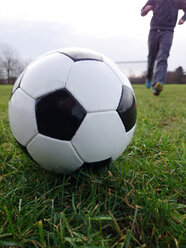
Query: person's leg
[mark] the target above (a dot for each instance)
(153, 45)
(165, 42)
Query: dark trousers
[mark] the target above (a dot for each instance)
(159, 43)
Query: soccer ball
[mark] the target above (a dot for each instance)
(72, 107)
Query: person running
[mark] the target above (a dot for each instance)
(163, 22)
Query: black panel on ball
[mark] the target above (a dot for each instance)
(127, 108)
(59, 115)
(77, 55)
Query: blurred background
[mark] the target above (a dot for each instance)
(112, 27)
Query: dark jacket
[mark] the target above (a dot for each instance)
(165, 13)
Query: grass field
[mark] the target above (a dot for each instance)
(138, 201)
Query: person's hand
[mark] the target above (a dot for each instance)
(181, 21)
(148, 8)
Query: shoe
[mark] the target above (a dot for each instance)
(158, 87)
(148, 83)
(155, 92)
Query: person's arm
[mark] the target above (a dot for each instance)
(183, 7)
(148, 6)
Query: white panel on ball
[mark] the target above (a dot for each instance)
(54, 155)
(100, 136)
(22, 117)
(94, 85)
(128, 137)
(124, 80)
(130, 133)
(17, 82)
(47, 74)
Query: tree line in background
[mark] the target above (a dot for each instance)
(11, 65)
(173, 77)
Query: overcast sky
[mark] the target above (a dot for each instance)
(112, 27)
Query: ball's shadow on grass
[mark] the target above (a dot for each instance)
(83, 174)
